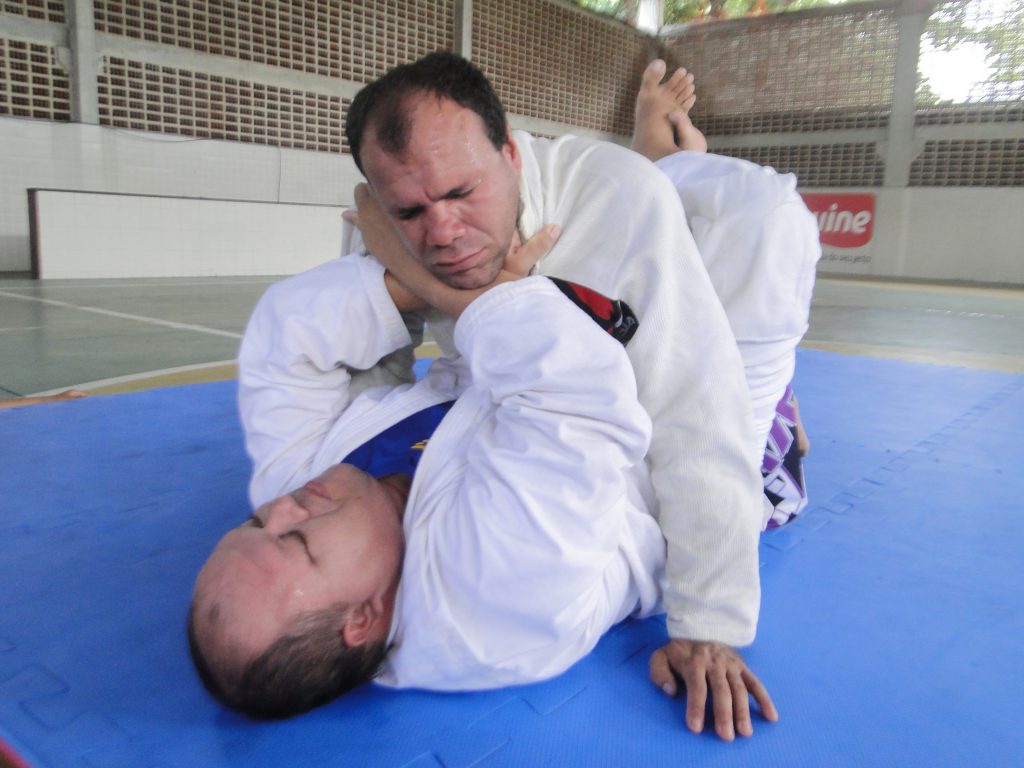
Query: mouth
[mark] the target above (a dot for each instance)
(460, 263)
(316, 488)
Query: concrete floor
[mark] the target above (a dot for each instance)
(971, 327)
(119, 335)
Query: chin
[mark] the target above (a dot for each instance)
(478, 277)
(467, 282)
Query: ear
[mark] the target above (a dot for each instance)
(511, 150)
(362, 624)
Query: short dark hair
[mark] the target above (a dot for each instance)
(444, 75)
(308, 665)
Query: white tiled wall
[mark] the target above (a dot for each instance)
(42, 154)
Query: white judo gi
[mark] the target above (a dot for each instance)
(623, 234)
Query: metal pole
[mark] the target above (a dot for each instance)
(464, 28)
(899, 146)
(83, 69)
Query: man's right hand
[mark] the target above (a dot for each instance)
(716, 671)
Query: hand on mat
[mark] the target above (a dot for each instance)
(716, 669)
(384, 242)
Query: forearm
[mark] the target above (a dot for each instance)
(529, 474)
(691, 383)
(702, 463)
(556, 453)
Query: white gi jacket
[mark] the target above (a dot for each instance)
(527, 529)
(760, 246)
(624, 235)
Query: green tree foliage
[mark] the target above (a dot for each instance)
(611, 7)
(998, 25)
(681, 11)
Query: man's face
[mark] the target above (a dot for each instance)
(453, 196)
(337, 541)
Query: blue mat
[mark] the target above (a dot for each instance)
(891, 619)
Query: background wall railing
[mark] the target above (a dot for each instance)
(246, 100)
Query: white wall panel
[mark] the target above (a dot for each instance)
(47, 155)
(90, 235)
(972, 234)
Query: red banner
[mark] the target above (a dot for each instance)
(845, 221)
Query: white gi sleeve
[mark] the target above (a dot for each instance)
(517, 547)
(624, 234)
(312, 344)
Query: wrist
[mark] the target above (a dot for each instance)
(404, 299)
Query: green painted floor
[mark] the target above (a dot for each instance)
(69, 333)
(116, 335)
(972, 327)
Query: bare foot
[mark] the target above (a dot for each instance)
(653, 136)
(663, 124)
(688, 136)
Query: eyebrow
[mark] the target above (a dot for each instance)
(254, 521)
(302, 540)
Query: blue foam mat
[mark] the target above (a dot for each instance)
(890, 622)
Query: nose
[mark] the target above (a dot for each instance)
(283, 514)
(442, 224)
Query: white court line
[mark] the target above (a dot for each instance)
(133, 377)
(147, 282)
(14, 329)
(963, 313)
(125, 316)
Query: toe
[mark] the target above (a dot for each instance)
(683, 88)
(677, 79)
(653, 74)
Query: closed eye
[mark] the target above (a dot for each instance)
(301, 538)
(457, 194)
(407, 214)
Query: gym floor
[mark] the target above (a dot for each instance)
(886, 617)
(108, 336)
